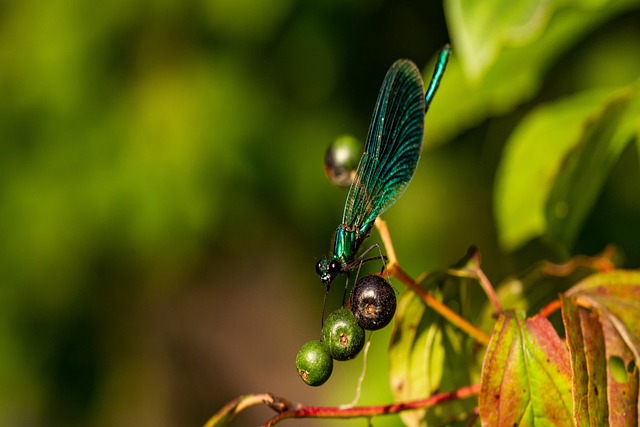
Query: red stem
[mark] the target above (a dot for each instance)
(370, 411)
(550, 308)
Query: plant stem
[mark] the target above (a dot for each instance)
(453, 317)
(371, 411)
(488, 289)
(396, 271)
(601, 262)
(237, 405)
(469, 266)
(550, 308)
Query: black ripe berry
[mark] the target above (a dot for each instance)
(313, 363)
(342, 335)
(373, 302)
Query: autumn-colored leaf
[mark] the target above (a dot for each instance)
(622, 386)
(588, 364)
(526, 375)
(616, 295)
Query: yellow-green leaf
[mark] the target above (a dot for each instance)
(423, 347)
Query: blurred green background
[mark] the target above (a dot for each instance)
(163, 200)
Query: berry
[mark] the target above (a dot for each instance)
(313, 363)
(342, 335)
(373, 302)
(341, 160)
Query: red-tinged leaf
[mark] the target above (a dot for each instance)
(588, 364)
(616, 294)
(526, 375)
(622, 386)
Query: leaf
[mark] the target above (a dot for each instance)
(622, 387)
(536, 153)
(424, 346)
(408, 376)
(456, 353)
(588, 364)
(506, 74)
(616, 295)
(228, 412)
(526, 375)
(587, 167)
(481, 32)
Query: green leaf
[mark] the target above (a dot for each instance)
(424, 346)
(501, 76)
(587, 167)
(586, 344)
(483, 28)
(408, 377)
(526, 375)
(535, 158)
(455, 349)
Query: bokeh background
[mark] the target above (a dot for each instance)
(163, 200)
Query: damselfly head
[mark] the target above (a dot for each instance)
(328, 269)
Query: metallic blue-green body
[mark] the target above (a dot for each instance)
(346, 242)
(390, 157)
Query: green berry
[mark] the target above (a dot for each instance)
(342, 335)
(313, 363)
(341, 160)
(373, 302)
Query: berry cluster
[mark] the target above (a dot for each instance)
(373, 304)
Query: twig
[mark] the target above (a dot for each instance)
(303, 411)
(488, 289)
(550, 308)
(237, 405)
(469, 266)
(396, 271)
(453, 317)
(601, 262)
